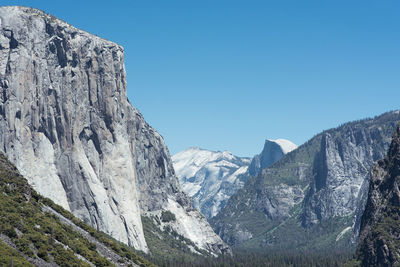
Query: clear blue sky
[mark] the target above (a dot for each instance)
(226, 74)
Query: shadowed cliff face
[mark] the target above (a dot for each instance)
(379, 243)
(66, 123)
(273, 151)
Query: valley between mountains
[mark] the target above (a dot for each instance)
(86, 181)
(308, 198)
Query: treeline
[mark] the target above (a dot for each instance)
(272, 259)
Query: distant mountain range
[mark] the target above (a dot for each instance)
(313, 197)
(210, 178)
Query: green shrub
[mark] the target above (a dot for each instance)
(10, 232)
(167, 216)
(10, 257)
(42, 253)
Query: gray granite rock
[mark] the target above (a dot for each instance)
(66, 123)
(273, 151)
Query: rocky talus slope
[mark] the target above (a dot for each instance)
(67, 125)
(312, 198)
(380, 226)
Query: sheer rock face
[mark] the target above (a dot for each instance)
(273, 151)
(379, 243)
(341, 173)
(66, 123)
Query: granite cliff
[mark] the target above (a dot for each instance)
(67, 125)
(273, 151)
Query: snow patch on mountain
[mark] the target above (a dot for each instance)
(209, 177)
(286, 145)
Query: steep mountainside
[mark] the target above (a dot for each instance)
(209, 177)
(35, 231)
(380, 226)
(67, 125)
(313, 197)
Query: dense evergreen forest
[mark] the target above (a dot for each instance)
(271, 259)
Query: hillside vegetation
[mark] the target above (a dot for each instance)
(35, 231)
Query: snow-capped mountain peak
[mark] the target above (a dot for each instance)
(209, 177)
(191, 160)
